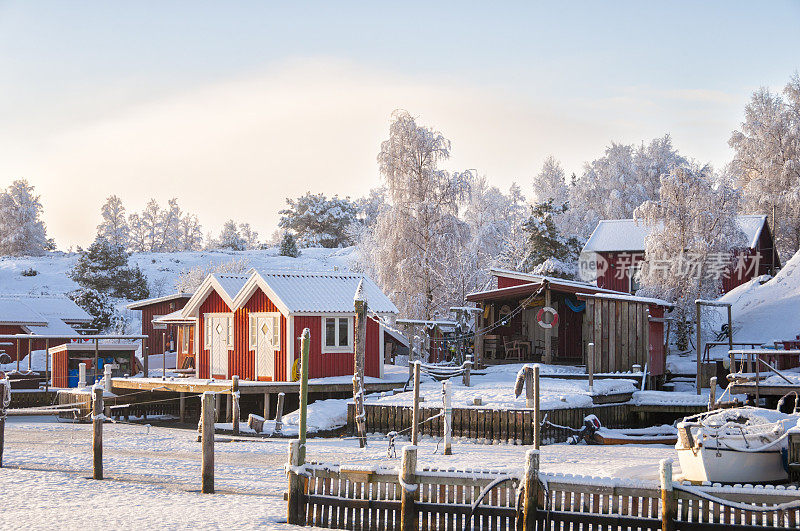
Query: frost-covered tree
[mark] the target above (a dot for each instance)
(22, 232)
(767, 161)
(614, 185)
(229, 238)
(689, 246)
(98, 305)
(549, 252)
(319, 221)
(169, 228)
(137, 236)
(550, 183)
(288, 246)
(191, 233)
(104, 267)
(408, 247)
(249, 236)
(114, 227)
(190, 279)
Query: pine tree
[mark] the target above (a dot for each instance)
(230, 238)
(319, 221)
(98, 305)
(114, 227)
(288, 246)
(550, 252)
(104, 267)
(22, 232)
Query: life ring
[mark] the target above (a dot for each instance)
(296, 370)
(540, 315)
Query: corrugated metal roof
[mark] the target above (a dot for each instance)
(55, 306)
(232, 284)
(325, 292)
(17, 312)
(138, 305)
(628, 235)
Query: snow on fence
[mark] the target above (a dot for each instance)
(357, 497)
(513, 426)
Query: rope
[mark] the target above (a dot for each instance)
(736, 505)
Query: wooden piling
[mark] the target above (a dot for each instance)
(217, 406)
(305, 345)
(97, 433)
(448, 418)
(182, 408)
(530, 399)
(279, 413)
(415, 409)
(266, 405)
(235, 400)
(359, 361)
(47, 375)
(669, 503)
(207, 430)
(295, 511)
(590, 365)
(81, 375)
(531, 489)
(712, 395)
(164, 356)
(698, 343)
(537, 427)
(409, 492)
(2, 434)
(467, 370)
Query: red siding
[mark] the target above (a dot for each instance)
(335, 363)
(616, 275)
(60, 369)
(212, 304)
(373, 352)
(241, 361)
(155, 337)
(506, 282)
(11, 350)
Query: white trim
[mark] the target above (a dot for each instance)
(350, 332)
(209, 284)
(257, 281)
(289, 347)
(156, 325)
(197, 349)
(138, 305)
(250, 345)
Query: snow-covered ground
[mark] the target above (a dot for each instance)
(153, 474)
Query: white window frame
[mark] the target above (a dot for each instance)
(276, 329)
(207, 329)
(633, 270)
(158, 326)
(337, 348)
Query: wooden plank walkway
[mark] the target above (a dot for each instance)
(193, 385)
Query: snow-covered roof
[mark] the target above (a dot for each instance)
(54, 327)
(294, 292)
(303, 292)
(539, 279)
(630, 298)
(629, 235)
(138, 305)
(175, 317)
(40, 309)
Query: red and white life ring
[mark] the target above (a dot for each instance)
(540, 315)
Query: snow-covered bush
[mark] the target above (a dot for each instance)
(288, 246)
(104, 267)
(318, 220)
(98, 305)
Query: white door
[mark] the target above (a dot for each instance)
(219, 344)
(265, 346)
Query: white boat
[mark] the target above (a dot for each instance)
(737, 445)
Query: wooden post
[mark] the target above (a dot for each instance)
(145, 359)
(359, 357)
(305, 343)
(467, 370)
(164, 356)
(757, 357)
(730, 329)
(548, 354)
(409, 494)
(18, 351)
(699, 344)
(712, 395)
(97, 433)
(217, 406)
(30, 354)
(669, 503)
(266, 406)
(81, 375)
(415, 410)
(448, 418)
(531, 492)
(590, 365)
(279, 413)
(537, 436)
(107, 386)
(207, 430)
(733, 365)
(47, 374)
(235, 398)
(182, 407)
(295, 511)
(794, 456)
(229, 407)
(2, 434)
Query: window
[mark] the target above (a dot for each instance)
(227, 328)
(186, 330)
(158, 326)
(338, 334)
(270, 326)
(633, 273)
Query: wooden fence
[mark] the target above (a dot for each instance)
(368, 498)
(513, 426)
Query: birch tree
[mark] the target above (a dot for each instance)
(114, 227)
(22, 232)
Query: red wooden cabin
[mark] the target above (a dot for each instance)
(161, 336)
(45, 315)
(249, 325)
(615, 251)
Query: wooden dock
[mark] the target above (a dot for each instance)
(194, 385)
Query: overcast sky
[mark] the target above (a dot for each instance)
(233, 106)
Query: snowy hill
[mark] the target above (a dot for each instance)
(770, 311)
(161, 269)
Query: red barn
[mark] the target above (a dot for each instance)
(50, 315)
(615, 251)
(161, 336)
(249, 325)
